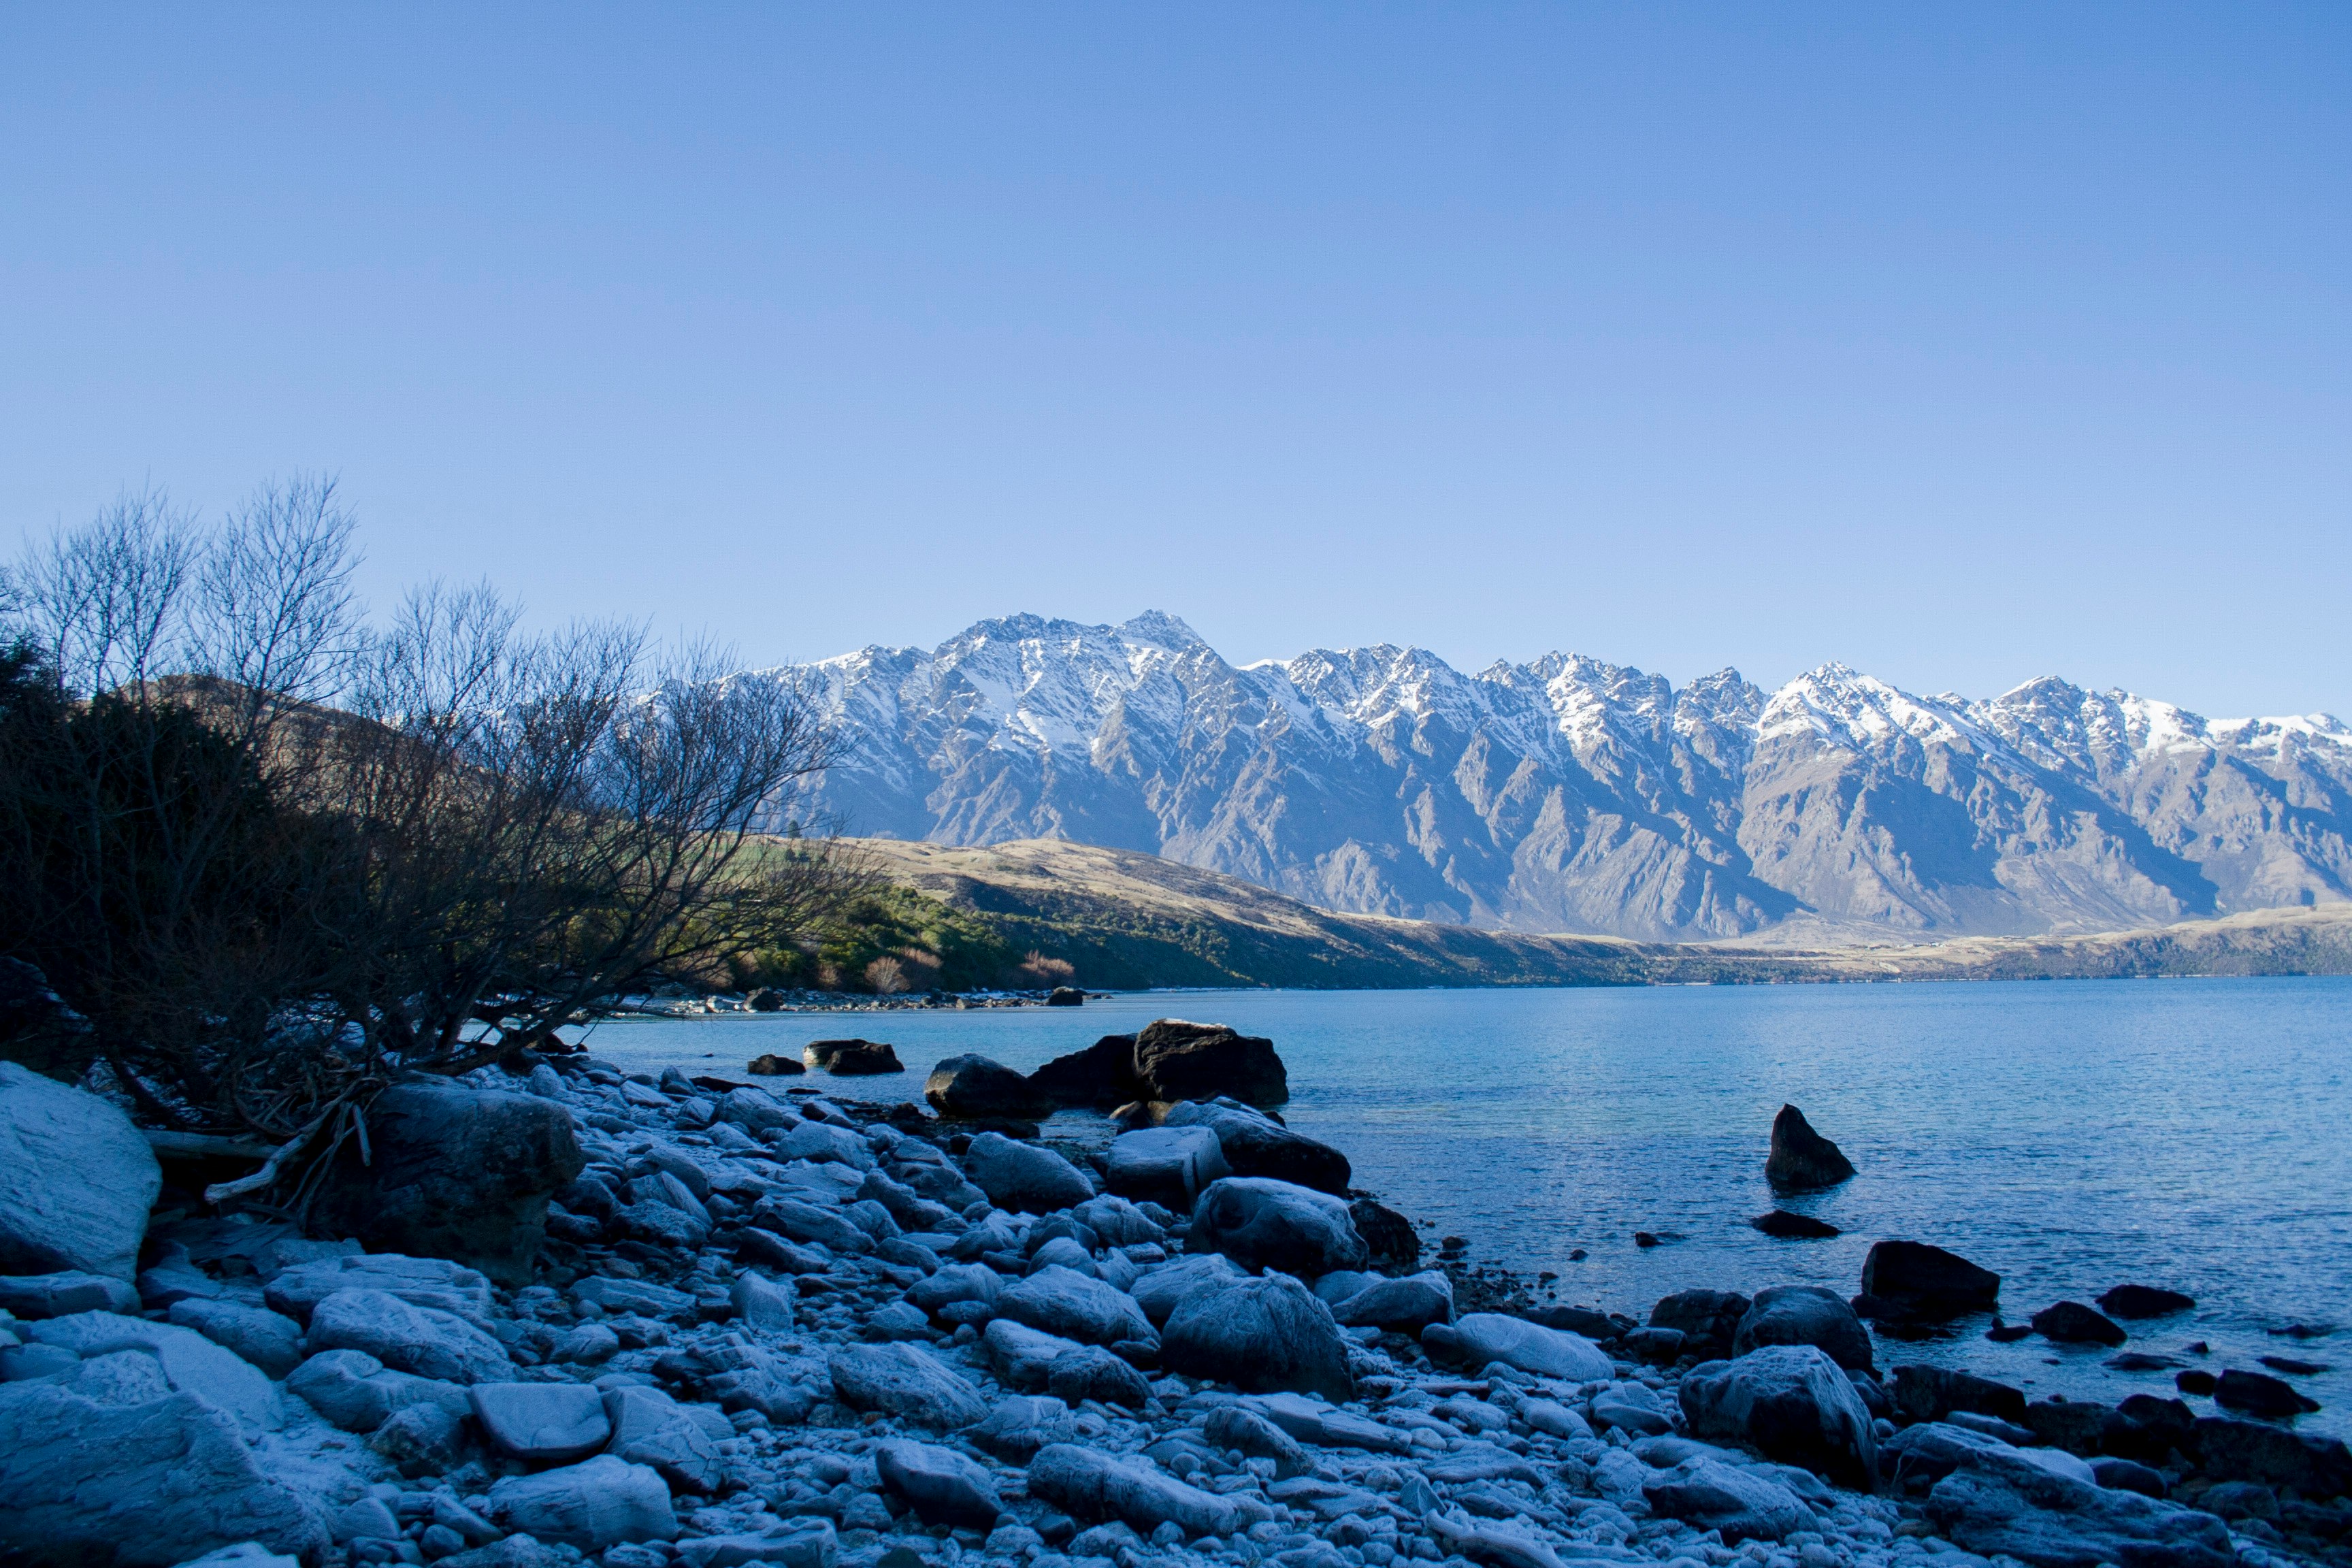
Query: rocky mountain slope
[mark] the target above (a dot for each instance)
(1568, 795)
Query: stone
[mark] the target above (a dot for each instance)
(1261, 1223)
(408, 1339)
(1910, 1279)
(1802, 1158)
(244, 1554)
(76, 1180)
(2273, 1455)
(270, 1341)
(761, 1302)
(1089, 1372)
(1783, 1225)
(802, 1543)
(1176, 1060)
(851, 1059)
(1805, 1315)
(640, 1296)
(2128, 1475)
(145, 1484)
(906, 1381)
(1232, 1426)
(1018, 1428)
(1101, 1075)
(940, 1485)
(1386, 1234)
(1405, 1306)
(543, 1423)
(1792, 1404)
(1631, 1407)
(770, 1065)
(1708, 1494)
(1063, 1301)
(650, 1428)
(1023, 1177)
(755, 1110)
(1093, 1487)
(2071, 1323)
(72, 1290)
(455, 1173)
(190, 1363)
(1312, 1421)
(2006, 1505)
(1660, 1347)
(1158, 1290)
(2145, 1302)
(1254, 1144)
(822, 1141)
(1065, 996)
(1268, 1334)
(2259, 1394)
(1707, 1318)
(597, 1503)
(1932, 1393)
(1117, 1222)
(1167, 1165)
(1024, 1357)
(956, 1282)
(807, 1223)
(420, 1439)
(969, 1088)
(1478, 1337)
(431, 1282)
(355, 1391)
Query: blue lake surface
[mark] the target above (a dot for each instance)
(2071, 1135)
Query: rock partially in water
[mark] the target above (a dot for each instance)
(851, 1059)
(2145, 1302)
(1388, 1234)
(1805, 1315)
(1101, 1075)
(2259, 1394)
(1911, 1279)
(1065, 996)
(1802, 1158)
(1932, 1393)
(971, 1088)
(1175, 1060)
(76, 1180)
(1786, 1227)
(2073, 1323)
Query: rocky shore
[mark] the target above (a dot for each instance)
(556, 1313)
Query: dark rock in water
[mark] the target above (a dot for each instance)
(1805, 1315)
(2292, 1365)
(765, 1000)
(2140, 1360)
(1911, 1279)
(1178, 1060)
(1065, 996)
(1801, 1157)
(848, 1059)
(1662, 1347)
(1932, 1393)
(2144, 1301)
(455, 1173)
(2009, 1333)
(2259, 1394)
(1103, 1075)
(773, 1066)
(2195, 1381)
(1388, 1235)
(1789, 1226)
(1645, 1238)
(2300, 1331)
(968, 1087)
(2272, 1456)
(1254, 1143)
(2148, 1429)
(2073, 1323)
(1592, 1325)
(1707, 1318)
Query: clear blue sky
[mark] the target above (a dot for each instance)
(1962, 342)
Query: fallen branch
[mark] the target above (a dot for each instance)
(205, 1146)
(221, 1192)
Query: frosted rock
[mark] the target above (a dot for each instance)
(76, 1180)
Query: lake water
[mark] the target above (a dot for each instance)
(2071, 1135)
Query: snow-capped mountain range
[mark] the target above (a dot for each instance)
(1573, 795)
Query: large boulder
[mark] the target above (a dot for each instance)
(1059, 1300)
(1913, 1280)
(1261, 1223)
(1159, 1290)
(969, 1088)
(1792, 1403)
(145, 1485)
(851, 1059)
(1170, 1167)
(454, 1173)
(2145, 1302)
(359, 1393)
(1178, 1060)
(908, 1382)
(2071, 1323)
(598, 1503)
(1023, 1176)
(1254, 1144)
(1801, 1157)
(1478, 1337)
(1101, 1075)
(31, 1296)
(270, 1341)
(1093, 1487)
(1266, 1334)
(2005, 1502)
(76, 1180)
(1805, 1315)
(408, 1339)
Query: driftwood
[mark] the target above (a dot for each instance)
(206, 1146)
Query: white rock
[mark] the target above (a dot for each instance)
(270, 1341)
(55, 1295)
(192, 1364)
(599, 1503)
(1548, 1352)
(76, 1180)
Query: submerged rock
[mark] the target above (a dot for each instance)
(2145, 1302)
(1911, 1279)
(1802, 1158)
(2071, 1323)
(1786, 1227)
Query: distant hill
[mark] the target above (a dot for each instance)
(1573, 794)
(1128, 921)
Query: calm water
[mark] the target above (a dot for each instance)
(2069, 1135)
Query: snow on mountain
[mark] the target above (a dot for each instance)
(1573, 794)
